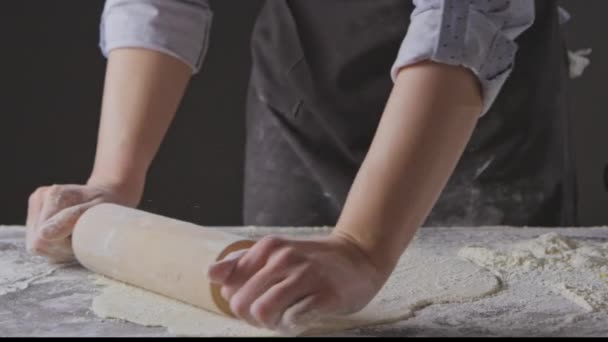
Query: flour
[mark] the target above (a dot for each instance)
(574, 269)
(578, 62)
(18, 269)
(538, 296)
(420, 279)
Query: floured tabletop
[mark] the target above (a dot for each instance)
(42, 301)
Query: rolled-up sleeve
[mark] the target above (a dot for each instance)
(179, 28)
(477, 34)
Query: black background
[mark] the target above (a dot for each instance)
(51, 87)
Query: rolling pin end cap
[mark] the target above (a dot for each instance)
(222, 303)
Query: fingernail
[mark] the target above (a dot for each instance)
(224, 292)
(235, 255)
(220, 271)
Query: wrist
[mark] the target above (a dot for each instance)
(127, 191)
(383, 260)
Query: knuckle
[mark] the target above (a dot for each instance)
(53, 193)
(286, 256)
(64, 196)
(271, 242)
(39, 192)
(284, 290)
(42, 189)
(33, 197)
(50, 230)
(54, 189)
(302, 276)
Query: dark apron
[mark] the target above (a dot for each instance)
(320, 81)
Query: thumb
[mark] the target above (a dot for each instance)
(61, 225)
(220, 271)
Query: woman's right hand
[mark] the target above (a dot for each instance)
(53, 211)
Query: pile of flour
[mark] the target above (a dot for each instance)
(577, 270)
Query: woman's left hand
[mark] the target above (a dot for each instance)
(289, 285)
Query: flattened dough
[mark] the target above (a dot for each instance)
(420, 279)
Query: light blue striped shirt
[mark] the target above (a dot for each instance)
(477, 34)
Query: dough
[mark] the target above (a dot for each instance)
(420, 279)
(574, 269)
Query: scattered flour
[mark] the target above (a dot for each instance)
(420, 279)
(18, 269)
(576, 270)
(553, 286)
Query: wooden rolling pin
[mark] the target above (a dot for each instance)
(156, 253)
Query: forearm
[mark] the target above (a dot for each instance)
(143, 89)
(425, 127)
